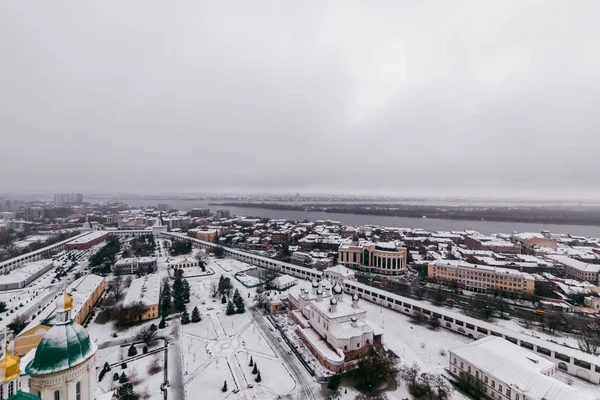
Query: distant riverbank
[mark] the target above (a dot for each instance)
(429, 224)
(541, 215)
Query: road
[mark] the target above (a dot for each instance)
(306, 389)
(176, 389)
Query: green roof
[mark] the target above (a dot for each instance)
(23, 396)
(62, 347)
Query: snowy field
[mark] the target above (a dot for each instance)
(248, 280)
(219, 347)
(146, 381)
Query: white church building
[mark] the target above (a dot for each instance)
(332, 325)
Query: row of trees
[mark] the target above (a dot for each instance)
(180, 247)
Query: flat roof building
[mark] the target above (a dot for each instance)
(134, 265)
(87, 241)
(578, 269)
(482, 278)
(144, 291)
(24, 275)
(509, 372)
(85, 292)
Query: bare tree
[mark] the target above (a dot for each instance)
(417, 317)
(146, 334)
(442, 387)
(434, 322)
(128, 281)
(18, 323)
(260, 299)
(588, 341)
(107, 307)
(116, 287)
(130, 313)
(409, 373)
(269, 276)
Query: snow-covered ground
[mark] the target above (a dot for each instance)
(248, 280)
(219, 347)
(146, 382)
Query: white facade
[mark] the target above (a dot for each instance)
(284, 282)
(386, 258)
(508, 372)
(578, 269)
(341, 328)
(78, 383)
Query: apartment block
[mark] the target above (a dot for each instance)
(482, 278)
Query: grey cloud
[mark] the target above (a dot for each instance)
(458, 98)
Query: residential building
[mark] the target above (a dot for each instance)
(34, 213)
(301, 258)
(84, 293)
(222, 213)
(199, 212)
(135, 265)
(578, 269)
(506, 371)
(530, 240)
(482, 278)
(145, 292)
(592, 302)
(334, 330)
(279, 237)
(482, 242)
(68, 198)
(209, 235)
(381, 257)
(87, 241)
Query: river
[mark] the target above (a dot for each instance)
(430, 224)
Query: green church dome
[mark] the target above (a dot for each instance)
(63, 346)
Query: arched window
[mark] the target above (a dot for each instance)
(1, 391)
(78, 391)
(11, 388)
(56, 395)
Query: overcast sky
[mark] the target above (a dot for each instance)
(394, 97)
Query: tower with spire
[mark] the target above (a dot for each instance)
(10, 370)
(64, 366)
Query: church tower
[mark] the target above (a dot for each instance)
(64, 367)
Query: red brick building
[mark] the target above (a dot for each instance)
(87, 241)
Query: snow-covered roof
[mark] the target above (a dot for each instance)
(347, 330)
(341, 270)
(572, 263)
(88, 238)
(26, 271)
(145, 290)
(515, 365)
(132, 260)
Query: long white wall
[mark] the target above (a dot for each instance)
(39, 254)
(570, 360)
